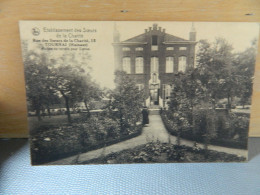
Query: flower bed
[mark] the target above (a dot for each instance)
(156, 152)
(57, 142)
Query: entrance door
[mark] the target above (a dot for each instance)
(154, 95)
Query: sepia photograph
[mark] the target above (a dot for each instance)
(121, 92)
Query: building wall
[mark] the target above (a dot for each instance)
(147, 54)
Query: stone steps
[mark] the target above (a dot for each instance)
(154, 111)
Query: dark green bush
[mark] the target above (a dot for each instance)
(227, 126)
(55, 142)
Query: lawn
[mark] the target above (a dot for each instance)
(47, 121)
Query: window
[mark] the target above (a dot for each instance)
(154, 64)
(169, 64)
(126, 49)
(139, 65)
(154, 47)
(154, 43)
(127, 65)
(182, 64)
(140, 86)
(139, 49)
(154, 40)
(167, 90)
(170, 48)
(183, 48)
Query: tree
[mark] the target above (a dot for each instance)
(49, 79)
(89, 91)
(244, 66)
(40, 94)
(70, 80)
(215, 68)
(126, 100)
(179, 106)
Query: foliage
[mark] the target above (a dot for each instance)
(49, 79)
(219, 74)
(39, 91)
(239, 126)
(215, 69)
(52, 142)
(157, 152)
(245, 65)
(230, 129)
(71, 81)
(224, 73)
(127, 101)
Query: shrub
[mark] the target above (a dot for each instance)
(154, 152)
(87, 134)
(226, 127)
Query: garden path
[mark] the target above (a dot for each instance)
(152, 132)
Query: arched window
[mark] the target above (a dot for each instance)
(154, 64)
(127, 65)
(139, 49)
(139, 65)
(182, 63)
(126, 49)
(169, 64)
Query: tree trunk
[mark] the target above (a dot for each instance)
(67, 106)
(86, 105)
(49, 111)
(121, 122)
(229, 102)
(38, 114)
(214, 104)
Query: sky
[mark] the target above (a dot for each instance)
(239, 35)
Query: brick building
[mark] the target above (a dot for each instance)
(153, 59)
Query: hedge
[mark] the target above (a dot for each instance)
(215, 141)
(50, 154)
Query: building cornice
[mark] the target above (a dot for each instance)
(179, 42)
(166, 43)
(130, 43)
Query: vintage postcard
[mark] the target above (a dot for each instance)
(138, 92)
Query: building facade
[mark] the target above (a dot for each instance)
(153, 59)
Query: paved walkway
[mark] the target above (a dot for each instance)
(153, 132)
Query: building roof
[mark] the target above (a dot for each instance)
(172, 38)
(138, 38)
(142, 39)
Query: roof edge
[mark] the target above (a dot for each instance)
(129, 43)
